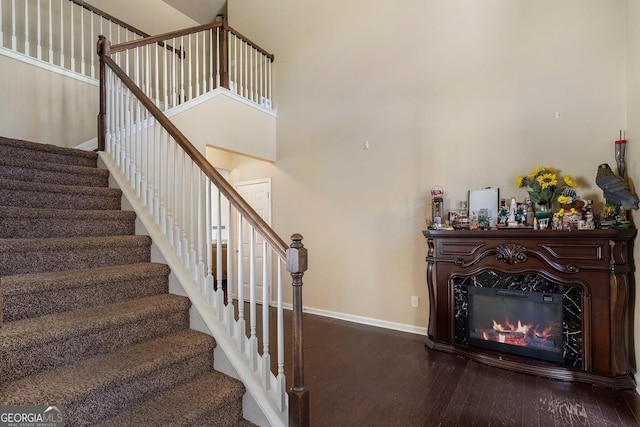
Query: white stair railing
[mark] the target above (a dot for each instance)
(60, 33)
(176, 67)
(172, 68)
(185, 195)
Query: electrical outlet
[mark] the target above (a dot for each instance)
(415, 302)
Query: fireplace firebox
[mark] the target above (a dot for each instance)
(517, 322)
(551, 303)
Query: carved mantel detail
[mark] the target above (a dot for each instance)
(511, 253)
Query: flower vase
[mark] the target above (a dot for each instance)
(543, 215)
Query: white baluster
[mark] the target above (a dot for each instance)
(39, 32)
(177, 179)
(266, 357)
(200, 233)
(50, 19)
(152, 165)
(156, 78)
(26, 28)
(192, 219)
(182, 97)
(281, 379)
(253, 339)
(1, 33)
(156, 164)
(82, 64)
(138, 171)
(93, 37)
(219, 275)
(184, 211)
(169, 199)
(217, 53)
(211, 60)
(197, 66)
(14, 38)
(204, 62)
(208, 283)
(72, 41)
(269, 84)
(190, 75)
(162, 171)
(230, 276)
(240, 332)
(173, 74)
(165, 70)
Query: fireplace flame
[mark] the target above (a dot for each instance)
(519, 334)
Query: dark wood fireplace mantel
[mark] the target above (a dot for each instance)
(599, 262)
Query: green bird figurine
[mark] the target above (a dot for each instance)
(615, 188)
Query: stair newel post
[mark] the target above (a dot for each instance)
(103, 48)
(298, 394)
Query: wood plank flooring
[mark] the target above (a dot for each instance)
(365, 376)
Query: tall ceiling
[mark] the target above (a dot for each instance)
(201, 11)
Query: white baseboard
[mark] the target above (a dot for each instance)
(367, 321)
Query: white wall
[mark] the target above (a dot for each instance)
(41, 106)
(461, 93)
(633, 134)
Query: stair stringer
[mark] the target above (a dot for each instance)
(259, 406)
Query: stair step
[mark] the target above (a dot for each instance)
(218, 403)
(55, 196)
(18, 222)
(22, 256)
(100, 387)
(22, 149)
(20, 169)
(30, 295)
(35, 345)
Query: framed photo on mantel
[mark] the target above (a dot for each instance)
(484, 202)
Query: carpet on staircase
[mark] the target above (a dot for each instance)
(87, 321)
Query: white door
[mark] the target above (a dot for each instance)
(258, 195)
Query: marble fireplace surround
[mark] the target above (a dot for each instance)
(592, 268)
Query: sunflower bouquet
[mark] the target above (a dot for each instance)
(545, 186)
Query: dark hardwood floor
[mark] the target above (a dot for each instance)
(365, 376)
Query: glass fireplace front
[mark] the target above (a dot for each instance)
(517, 322)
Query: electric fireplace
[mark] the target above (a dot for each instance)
(517, 322)
(551, 303)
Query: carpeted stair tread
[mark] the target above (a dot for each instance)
(210, 400)
(52, 173)
(19, 222)
(22, 256)
(10, 147)
(32, 345)
(56, 196)
(101, 386)
(30, 295)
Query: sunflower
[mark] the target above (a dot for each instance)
(547, 180)
(568, 179)
(545, 185)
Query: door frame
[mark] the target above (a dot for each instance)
(268, 261)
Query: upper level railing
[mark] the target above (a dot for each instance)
(202, 59)
(172, 68)
(60, 32)
(186, 195)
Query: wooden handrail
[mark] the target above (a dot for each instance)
(110, 17)
(185, 31)
(278, 245)
(117, 21)
(249, 42)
